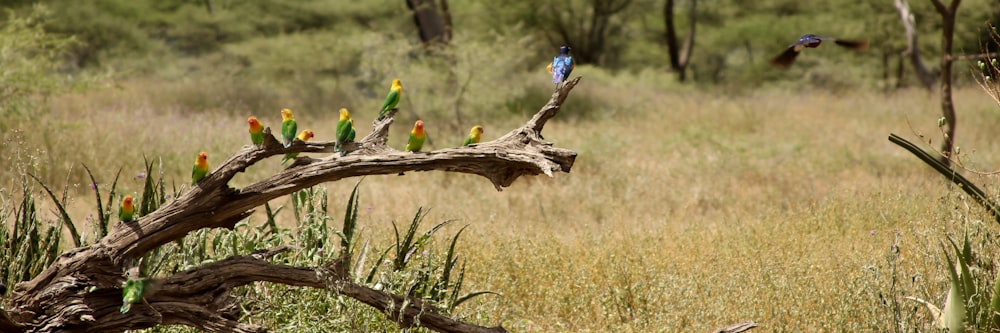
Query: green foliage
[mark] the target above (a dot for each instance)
(28, 244)
(32, 61)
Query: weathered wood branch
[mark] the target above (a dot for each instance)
(81, 291)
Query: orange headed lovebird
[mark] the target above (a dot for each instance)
(474, 135)
(256, 131)
(200, 168)
(288, 126)
(417, 137)
(127, 210)
(392, 99)
(304, 136)
(345, 129)
(562, 64)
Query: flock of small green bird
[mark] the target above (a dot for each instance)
(561, 66)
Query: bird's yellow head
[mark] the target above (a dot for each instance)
(306, 135)
(476, 131)
(202, 159)
(254, 124)
(396, 85)
(286, 115)
(127, 202)
(344, 114)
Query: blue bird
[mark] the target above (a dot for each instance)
(786, 58)
(561, 65)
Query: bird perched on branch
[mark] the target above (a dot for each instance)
(200, 168)
(392, 99)
(561, 65)
(345, 129)
(256, 131)
(304, 136)
(417, 137)
(127, 210)
(288, 126)
(786, 58)
(474, 135)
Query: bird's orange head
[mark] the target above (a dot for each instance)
(286, 114)
(127, 202)
(306, 135)
(344, 114)
(254, 124)
(202, 157)
(418, 128)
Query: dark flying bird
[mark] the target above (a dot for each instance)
(786, 58)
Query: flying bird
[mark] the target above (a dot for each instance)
(474, 136)
(256, 131)
(200, 168)
(132, 293)
(288, 126)
(304, 136)
(127, 210)
(561, 65)
(417, 137)
(786, 58)
(345, 127)
(392, 99)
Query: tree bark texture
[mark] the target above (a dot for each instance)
(947, 104)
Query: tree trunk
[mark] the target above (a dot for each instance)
(679, 55)
(912, 47)
(433, 26)
(947, 104)
(82, 290)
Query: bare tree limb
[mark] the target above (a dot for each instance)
(81, 291)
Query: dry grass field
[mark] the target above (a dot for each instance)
(686, 210)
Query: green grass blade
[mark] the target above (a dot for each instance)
(65, 219)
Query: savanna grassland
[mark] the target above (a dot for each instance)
(690, 206)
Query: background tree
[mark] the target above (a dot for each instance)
(433, 21)
(947, 104)
(679, 55)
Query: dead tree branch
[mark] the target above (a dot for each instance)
(912, 47)
(82, 290)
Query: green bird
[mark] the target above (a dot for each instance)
(132, 293)
(345, 127)
(304, 136)
(288, 126)
(474, 136)
(256, 131)
(127, 211)
(417, 137)
(392, 99)
(200, 168)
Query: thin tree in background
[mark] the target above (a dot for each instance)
(947, 104)
(679, 55)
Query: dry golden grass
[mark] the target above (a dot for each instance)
(685, 210)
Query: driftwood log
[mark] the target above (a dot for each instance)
(82, 290)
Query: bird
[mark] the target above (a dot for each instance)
(561, 65)
(392, 99)
(288, 126)
(127, 210)
(474, 135)
(304, 136)
(256, 131)
(417, 136)
(132, 293)
(786, 58)
(345, 127)
(200, 168)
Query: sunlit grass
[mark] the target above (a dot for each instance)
(685, 210)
